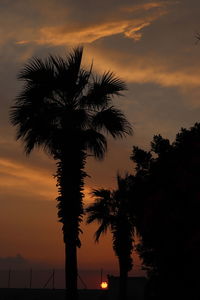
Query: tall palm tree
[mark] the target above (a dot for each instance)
(65, 110)
(111, 210)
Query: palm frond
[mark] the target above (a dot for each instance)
(94, 214)
(37, 71)
(95, 142)
(70, 77)
(101, 230)
(76, 119)
(81, 86)
(74, 58)
(113, 121)
(112, 84)
(36, 124)
(102, 194)
(123, 183)
(103, 89)
(100, 208)
(100, 211)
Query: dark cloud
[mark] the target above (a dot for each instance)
(17, 261)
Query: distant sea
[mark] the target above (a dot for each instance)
(35, 279)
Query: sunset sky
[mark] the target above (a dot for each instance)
(151, 45)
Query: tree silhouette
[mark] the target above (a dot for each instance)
(65, 110)
(168, 214)
(111, 210)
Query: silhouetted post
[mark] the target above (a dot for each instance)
(49, 279)
(31, 274)
(81, 280)
(53, 279)
(9, 276)
(101, 275)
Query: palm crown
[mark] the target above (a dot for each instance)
(111, 210)
(61, 102)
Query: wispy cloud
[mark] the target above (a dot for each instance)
(21, 179)
(24, 180)
(130, 27)
(23, 42)
(135, 33)
(146, 6)
(58, 36)
(149, 69)
(125, 20)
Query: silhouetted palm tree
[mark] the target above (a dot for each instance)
(65, 109)
(111, 210)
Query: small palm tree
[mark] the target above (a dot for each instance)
(65, 110)
(112, 210)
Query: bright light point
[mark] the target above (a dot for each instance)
(104, 285)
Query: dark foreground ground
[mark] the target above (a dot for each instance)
(47, 294)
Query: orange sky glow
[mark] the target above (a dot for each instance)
(149, 44)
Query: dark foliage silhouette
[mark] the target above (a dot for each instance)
(168, 197)
(65, 110)
(111, 210)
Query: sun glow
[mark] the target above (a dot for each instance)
(104, 285)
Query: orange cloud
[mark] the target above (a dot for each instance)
(133, 32)
(125, 20)
(128, 27)
(128, 21)
(18, 178)
(140, 69)
(145, 6)
(23, 42)
(15, 176)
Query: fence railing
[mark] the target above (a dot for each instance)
(31, 278)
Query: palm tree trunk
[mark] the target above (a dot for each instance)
(71, 271)
(122, 280)
(70, 181)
